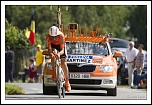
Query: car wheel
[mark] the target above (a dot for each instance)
(49, 90)
(112, 92)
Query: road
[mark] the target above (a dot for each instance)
(33, 91)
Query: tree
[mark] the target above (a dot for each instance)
(15, 37)
(123, 21)
(138, 24)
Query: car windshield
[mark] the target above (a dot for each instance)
(86, 48)
(118, 43)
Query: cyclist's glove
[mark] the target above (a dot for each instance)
(52, 56)
(58, 55)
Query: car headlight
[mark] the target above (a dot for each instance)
(106, 68)
(49, 66)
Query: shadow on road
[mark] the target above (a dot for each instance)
(75, 94)
(87, 94)
(33, 94)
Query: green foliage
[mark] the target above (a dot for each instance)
(138, 24)
(124, 21)
(11, 89)
(39, 39)
(15, 37)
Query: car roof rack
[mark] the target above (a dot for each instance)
(92, 36)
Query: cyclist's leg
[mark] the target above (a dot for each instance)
(66, 72)
(63, 63)
(65, 69)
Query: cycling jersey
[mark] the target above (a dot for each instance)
(58, 44)
(59, 41)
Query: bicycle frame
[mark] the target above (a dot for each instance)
(60, 81)
(59, 71)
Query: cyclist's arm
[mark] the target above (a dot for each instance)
(48, 44)
(49, 51)
(62, 45)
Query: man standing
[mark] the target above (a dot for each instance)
(130, 54)
(10, 65)
(139, 63)
(39, 62)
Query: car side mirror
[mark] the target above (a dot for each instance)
(118, 54)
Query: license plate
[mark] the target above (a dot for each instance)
(75, 76)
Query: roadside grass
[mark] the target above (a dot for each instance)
(11, 89)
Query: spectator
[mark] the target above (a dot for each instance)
(39, 62)
(32, 71)
(10, 64)
(26, 72)
(139, 63)
(130, 54)
(29, 71)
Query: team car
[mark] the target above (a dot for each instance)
(90, 62)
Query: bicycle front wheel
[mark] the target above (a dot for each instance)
(58, 83)
(59, 90)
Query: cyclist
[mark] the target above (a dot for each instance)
(55, 39)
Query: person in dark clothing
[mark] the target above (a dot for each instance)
(26, 72)
(10, 65)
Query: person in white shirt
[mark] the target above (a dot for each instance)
(131, 54)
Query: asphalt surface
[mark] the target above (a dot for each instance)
(33, 91)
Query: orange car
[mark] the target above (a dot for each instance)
(90, 62)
